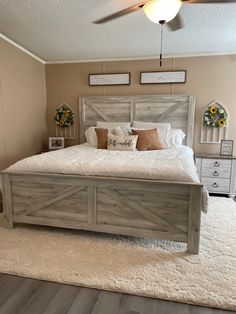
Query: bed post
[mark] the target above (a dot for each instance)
(7, 200)
(194, 218)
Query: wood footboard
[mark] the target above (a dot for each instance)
(143, 208)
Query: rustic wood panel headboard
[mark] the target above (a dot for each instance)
(178, 110)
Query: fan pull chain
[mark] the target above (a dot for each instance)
(162, 24)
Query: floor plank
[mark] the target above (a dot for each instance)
(62, 301)
(29, 296)
(39, 301)
(84, 301)
(202, 310)
(10, 284)
(18, 297)
(107, 302)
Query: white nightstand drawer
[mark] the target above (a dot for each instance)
(220, 164)
(216, 173)
(214, 185)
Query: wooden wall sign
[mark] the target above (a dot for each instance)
(163, 77)
(109, 79)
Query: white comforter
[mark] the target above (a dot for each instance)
(173, 164)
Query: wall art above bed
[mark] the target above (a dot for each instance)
(109, 79)
(163, 77)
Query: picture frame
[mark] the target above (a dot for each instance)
(56, 143)
(109, 79)
(226, 147)
(163, 77)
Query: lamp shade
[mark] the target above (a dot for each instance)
(162, 10)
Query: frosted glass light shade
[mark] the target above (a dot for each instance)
(162, 10)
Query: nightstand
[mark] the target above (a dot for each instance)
(217, 173)
(44, 150)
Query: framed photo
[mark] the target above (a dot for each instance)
(226, 147)
(163, 77)
(56, 142)
(109, 79)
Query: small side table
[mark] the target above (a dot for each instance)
(44, 150)
(217, 173)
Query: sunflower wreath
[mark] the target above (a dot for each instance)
(215, 117)
(64, 116)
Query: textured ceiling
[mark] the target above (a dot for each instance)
(57, 30)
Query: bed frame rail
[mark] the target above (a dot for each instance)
(142, 208)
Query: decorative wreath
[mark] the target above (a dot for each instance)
(64, 116)
(215, 116)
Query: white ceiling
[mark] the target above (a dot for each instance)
(62, 30)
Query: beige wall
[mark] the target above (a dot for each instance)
(23, 129)
(209, 78)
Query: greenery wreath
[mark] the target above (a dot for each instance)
(215, 116)
(64, 116)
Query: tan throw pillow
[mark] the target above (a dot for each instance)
(102, 135)
(148, 139)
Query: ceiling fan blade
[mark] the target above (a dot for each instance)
(132, 9)
(208, 1)
(176, 23)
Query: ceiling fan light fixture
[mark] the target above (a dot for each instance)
(162, 10)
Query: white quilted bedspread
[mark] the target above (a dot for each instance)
(173, 164)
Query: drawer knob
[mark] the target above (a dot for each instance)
(216, 164)
(215, 185)
(215, 173)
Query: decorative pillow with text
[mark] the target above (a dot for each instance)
(125, 142)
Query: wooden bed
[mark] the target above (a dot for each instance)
(126, 206)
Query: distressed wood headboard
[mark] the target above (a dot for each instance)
(178, 110)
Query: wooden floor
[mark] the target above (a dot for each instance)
(29, 296)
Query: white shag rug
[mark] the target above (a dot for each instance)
(136, 266)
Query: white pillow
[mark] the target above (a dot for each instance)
(151, 125)
(91, 135)
(109, 125)
(162, 129)
(175, 138)
(125, 142)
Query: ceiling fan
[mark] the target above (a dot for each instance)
(161, 11)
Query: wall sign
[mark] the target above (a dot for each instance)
(163, 77)
(109, 79)
(226, 147)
